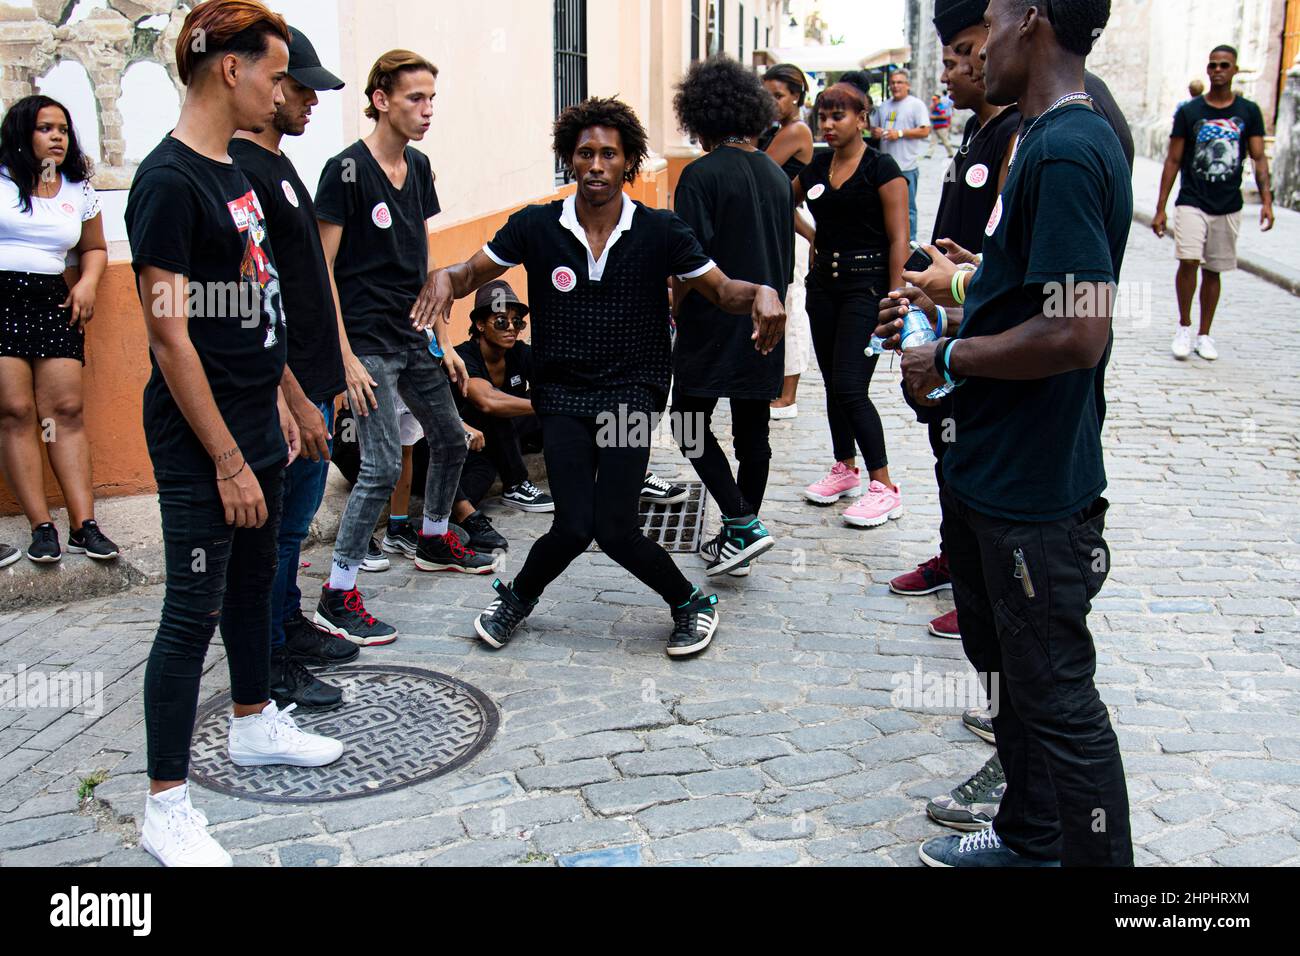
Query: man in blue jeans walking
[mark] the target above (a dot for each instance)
(902, 124)
(313, 380)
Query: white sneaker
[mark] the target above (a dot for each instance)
(272, 737)
(1182, 346)
(785, 413)
(1205, 348)
(176, 834)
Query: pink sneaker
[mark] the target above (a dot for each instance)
(877, 506)
(840, 482)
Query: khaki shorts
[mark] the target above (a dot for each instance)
(1210, 240)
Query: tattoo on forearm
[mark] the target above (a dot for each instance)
(226, 455)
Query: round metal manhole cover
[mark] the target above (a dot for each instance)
(398, 725)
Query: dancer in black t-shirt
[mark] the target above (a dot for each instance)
(970, 189)
(741, 207)
(212, 306)
(498, 403)
(598, 265)
(312, 379)
(373, 202)
(1023, 516)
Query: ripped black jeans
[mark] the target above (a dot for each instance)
(216, 573)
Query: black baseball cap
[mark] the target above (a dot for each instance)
(304, 64)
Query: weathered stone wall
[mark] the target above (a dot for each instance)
(1286, 163)
(34, 39)
(1152, 49)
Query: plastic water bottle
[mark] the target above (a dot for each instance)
(876, 346)
(434, 348)
(917, 330)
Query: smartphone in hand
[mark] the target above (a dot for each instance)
(919, 260)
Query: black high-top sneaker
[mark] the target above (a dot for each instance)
(693, 625)
(496, 624)
(444, 552)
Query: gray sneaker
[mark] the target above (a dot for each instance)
(972, 805)
(979, 723)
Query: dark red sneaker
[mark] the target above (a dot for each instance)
(946, 626)
(926, 579)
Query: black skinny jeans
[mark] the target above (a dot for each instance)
(1066, 798)
(216, 573)
(502, 456)
(596, 491)
(842, 315)
(742, 494)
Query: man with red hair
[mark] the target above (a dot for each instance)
(217, 427)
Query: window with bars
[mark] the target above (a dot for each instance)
(695, 31)
(570, 62)
(717, 38)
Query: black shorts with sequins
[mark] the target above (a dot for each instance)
(31, 323)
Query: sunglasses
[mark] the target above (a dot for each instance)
(503, 322)
(1220, 65)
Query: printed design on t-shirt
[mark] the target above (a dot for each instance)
(516, 381)
(68, 209)
(1217, 155)
(564, 279)
(256, 267)
(381, 216)
(289, 193)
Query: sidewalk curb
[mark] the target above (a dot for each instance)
(1270, 270)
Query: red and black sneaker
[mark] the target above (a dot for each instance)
(444, 552)
(343, 614)
(926, 579)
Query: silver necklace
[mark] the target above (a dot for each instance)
(1067, 98)
(965, 148)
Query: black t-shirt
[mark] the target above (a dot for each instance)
(970, 186)
(1216, 142)
(314, 353)
(851, 218)
(1106, 107)
(1031, 450)
(200, 218)
(383, 257)
(600, 338)
(741, 208)
(518, 375)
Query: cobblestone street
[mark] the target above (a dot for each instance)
(781, 745)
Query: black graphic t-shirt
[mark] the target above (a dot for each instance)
(201, 219)
(314, 354)
(383, 257)
(1215, 144)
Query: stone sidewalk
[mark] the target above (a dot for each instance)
(781, 745)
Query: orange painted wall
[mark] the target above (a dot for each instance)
(117, 354)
